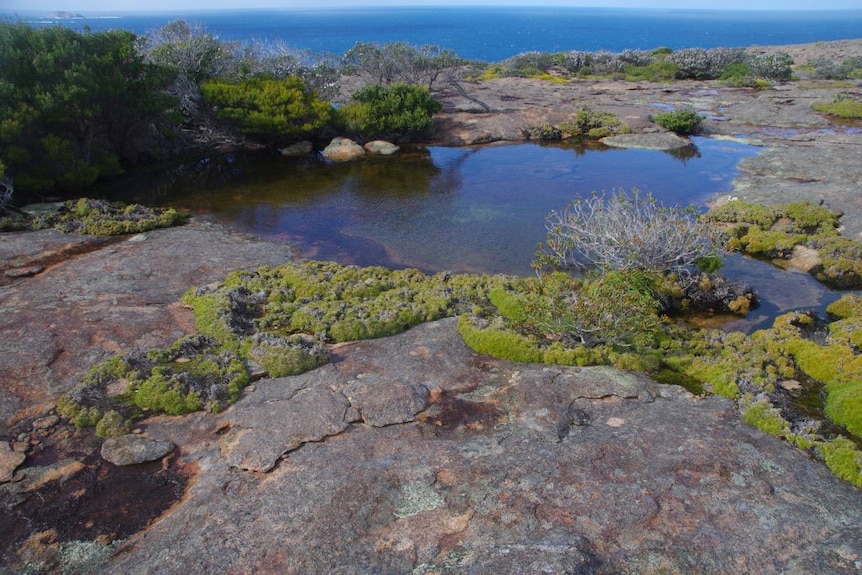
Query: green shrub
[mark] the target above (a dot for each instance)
(397, 110)
(682, 122)
(738, 75)
(592, 125)
(268, 108)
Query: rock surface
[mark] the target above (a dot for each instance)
(133, 449)
(505, 468)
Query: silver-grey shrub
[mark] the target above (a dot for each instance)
(771, 66)
(624, 231)
(702, 64)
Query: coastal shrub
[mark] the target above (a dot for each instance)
(397, 110)
(705, 64)
(739, 75)
(77, 107)
(656, 71)
(773, 66)
(589, 124)
(684, 122)
(842, 106)
(826, 69)
(275, 110)
(621, 231)
(616, 308)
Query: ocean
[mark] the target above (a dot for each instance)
(493, 34)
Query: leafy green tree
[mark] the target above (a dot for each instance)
(399, 110)
(74, 107)
(268, 108)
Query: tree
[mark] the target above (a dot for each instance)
(268, 108)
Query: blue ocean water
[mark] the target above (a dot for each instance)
(496, 33)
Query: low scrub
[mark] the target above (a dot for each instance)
(841, 107)
(97, 217)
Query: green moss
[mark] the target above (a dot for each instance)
(163, 394)
(849, 305)
(760, 414)
(496, 341)
(840, 259)
(738, 211)
(842, 457)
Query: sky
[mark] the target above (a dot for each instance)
(87, 7)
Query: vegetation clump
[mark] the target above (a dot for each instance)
(683, 122)
(194, 373)
(843, 106)
(97, 217)
(398, 110)
(776, 231)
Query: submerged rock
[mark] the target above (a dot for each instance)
(297, 150)
(664, 141)
(381, 147)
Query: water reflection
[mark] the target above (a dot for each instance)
(461, 209)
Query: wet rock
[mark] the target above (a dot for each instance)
(10, 459)
(381, 147)
(663, 141)
(510, 468)
(343, 150)
(297, 150)
(133, 449)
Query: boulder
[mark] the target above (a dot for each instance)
(133, 449)
(343, 150)
(381, 147)
(297, 150)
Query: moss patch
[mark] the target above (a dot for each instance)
(775, 231)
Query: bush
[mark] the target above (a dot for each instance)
(268, 108)
(773, 66)
(399, 110)
(682, 122)
(589, 124)
(625, 232)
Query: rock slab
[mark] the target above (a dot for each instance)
(505, 468)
